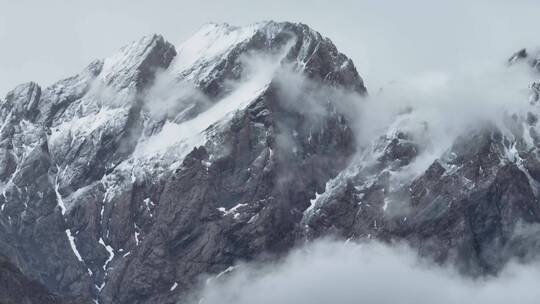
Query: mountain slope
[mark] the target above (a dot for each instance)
(129, 181)
(124, 183)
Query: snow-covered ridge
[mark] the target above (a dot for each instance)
(210, 41)
(214, 51)
(121, 69)
(99, 102)
(189, 134)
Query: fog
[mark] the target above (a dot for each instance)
(330, 271)
(437, 107)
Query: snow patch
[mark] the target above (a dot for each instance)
(73, 246)
(386, 202)
(110, 250)
(224, 272)
(211, 41)
(59, 196)
(149, 205)
(185, 136)
(233, 210)
(312, 203)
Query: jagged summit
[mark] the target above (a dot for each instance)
(532, 58)
(216, 48)
(214, 54)
(135, 63)
(519, 55)
(157, 157)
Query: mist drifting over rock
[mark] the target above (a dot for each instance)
(253, 164)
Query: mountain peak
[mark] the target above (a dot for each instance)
(101, 155)
(532, 58)
(21, 101)
(216, 51)
(135, 63)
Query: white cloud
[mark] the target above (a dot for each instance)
(333, 272)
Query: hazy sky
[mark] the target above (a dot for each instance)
(44, 41)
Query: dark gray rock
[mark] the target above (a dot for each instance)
(89, 214)
(76, 220)
(18, 289)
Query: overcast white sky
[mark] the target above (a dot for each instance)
(45, 41)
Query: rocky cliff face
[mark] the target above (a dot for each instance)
(125, 183)
(18, 289)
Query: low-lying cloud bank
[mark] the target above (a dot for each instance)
(328, 271)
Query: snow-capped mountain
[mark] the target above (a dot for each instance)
(162, 163)
(123, 183)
